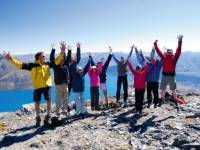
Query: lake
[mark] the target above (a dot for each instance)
(14, 99)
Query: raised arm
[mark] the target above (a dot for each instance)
(158, 51)
(86, 68)
(140, 57)
(178, 50)
(17, 63)
(129, 56)
(78, 52)
(91, 59)
(131, 68)
(52, 55)
(115, 59)
(106, 64)
(152, 54)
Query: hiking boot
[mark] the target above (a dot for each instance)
(149, 105)
(47, 120)
(38, 121)
(140, 112)
(155, 105)
(160, 103)
(65, 113)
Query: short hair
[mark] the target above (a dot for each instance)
(37, 55)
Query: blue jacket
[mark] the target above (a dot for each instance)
(76, 78)
(154, 70)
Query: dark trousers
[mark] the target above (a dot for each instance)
(94, 92)
(139, 98)
(122, 80)
(152, 87)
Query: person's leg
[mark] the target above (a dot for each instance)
(136, 100)
(155, 94)
(119, 82)
(105, 93)
(58, 99)
(37, 99)
(83, 109)
(47, 97)
(106, 96)
(163, 86)
(77, 101)
(65, 99)
(141, 100)
(125, 87)
(149, 95)
(92, 98)
(97, 98)
(172, 85)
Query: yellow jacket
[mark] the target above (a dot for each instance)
(41, 76)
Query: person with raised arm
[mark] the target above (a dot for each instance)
(77, 75)
(61, 79)
(75, 59)
(153, 76)
(122, 75)
(102, 75)
(41, 79)
(139, 84)
(169, 69)
(94, 73)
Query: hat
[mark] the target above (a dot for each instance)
(79, 68)
(169, 51)
(138, 67)
(94, 67)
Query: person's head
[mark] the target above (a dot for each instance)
(122, 60)
(79, 69)
(73, 58)
(40, 57)
(94, 68)
(139, 68)
(169, 52)
(153, 61)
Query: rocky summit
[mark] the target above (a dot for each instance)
(118, 128)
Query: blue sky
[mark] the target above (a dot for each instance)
(27, 26)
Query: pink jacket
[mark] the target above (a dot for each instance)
(94, 76)
(139, 78)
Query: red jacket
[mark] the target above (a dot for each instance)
(169, 61)
(139, 78)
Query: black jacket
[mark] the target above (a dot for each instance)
(61, 72)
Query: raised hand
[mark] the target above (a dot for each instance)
(156, 41)
(89, 54)
(62, 46)
(180, 37)
(110, 48)
(69, 47)
(133, 47)
(130, 60)
(6, 54)
(52, 46)
(78, 44)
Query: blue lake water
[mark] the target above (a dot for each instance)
(14, 99)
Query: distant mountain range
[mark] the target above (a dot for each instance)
(12, 78)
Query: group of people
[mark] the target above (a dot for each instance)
(69, 76)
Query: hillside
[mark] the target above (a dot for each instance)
(116, 128)
(12, 78)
